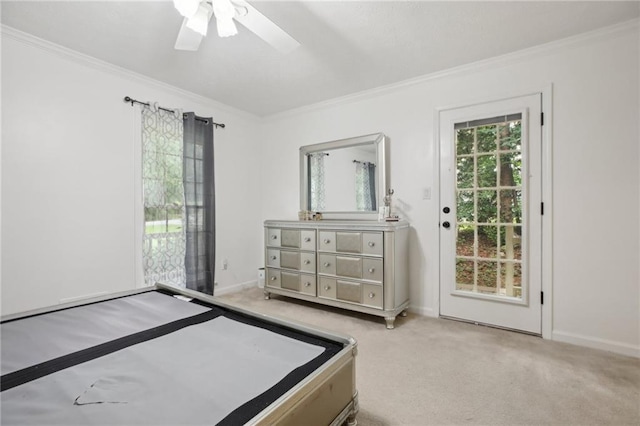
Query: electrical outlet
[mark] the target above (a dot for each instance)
(225, 264)
(215, 283)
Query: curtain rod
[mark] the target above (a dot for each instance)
(363, 162)
(134, 101)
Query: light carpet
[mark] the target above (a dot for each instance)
(430, 371)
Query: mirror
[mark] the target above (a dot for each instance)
(344, 179)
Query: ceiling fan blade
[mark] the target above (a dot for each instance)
(187, 38)
(264, 28)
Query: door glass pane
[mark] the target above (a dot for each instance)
(465, 173)
(511, 278)
(510, 206)
(511, 242)
(487, 171)
(465, 272)
(489, 207)
(487, 277)
(465, 211)
(488, 241)
(466, 240)
(464, 141)
(487, 138)
(509, 134)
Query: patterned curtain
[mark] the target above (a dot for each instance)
(163, 195)
(316, 182)
(365, 186)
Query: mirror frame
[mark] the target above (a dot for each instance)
(382, 174)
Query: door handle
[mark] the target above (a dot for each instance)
(446, 224)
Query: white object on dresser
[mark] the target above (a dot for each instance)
(356, 265)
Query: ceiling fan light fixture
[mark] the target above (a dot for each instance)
(187, 8)
(226, 27)
(224, 11)
(200, 21)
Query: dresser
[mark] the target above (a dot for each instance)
(357, 265)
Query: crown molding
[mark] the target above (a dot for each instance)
(101, 65)
(523, 55)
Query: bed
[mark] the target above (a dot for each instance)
(161, 355)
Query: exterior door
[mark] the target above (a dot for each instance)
(490, 213)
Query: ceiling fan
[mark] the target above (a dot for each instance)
(198, 13)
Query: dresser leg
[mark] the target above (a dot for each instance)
(403, 313)
(267, 295)
(390, 321)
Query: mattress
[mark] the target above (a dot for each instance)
(150, 358)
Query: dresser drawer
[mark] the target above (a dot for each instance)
(372, 243)
(348, 291)
(351, 291)
(273, 237)
(299, 261)
(301, 283)
(326, 241)
(348, 266)
(367, 243)
(290, 281)
(327, 264)
(290, 259)
(349, 242)
(365, 268)
(273, 278)
(273, 258)
(308, 239)
(327, 288)
(308, 262)
(308, 284)
(293, 281)
(372, 295)
(290, 238)
(372, 269)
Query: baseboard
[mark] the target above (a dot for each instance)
(595, 343)
(219, 291)
(421, 310)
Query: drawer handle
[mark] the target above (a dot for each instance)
(372, 295)
(274, 237)
(327, 288)
(371, 244)
(307, 239)
(327, 264)
(273, 278)
(327, 241)
(274, 257)
(307, 261)
(307, 284)
(371, 270)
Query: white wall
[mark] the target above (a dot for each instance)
(595, 171)
(68, 177)
(68, 169)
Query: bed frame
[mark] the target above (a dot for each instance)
(327, 396)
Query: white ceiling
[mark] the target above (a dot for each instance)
(347, 46)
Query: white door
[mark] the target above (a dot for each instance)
(490, 213)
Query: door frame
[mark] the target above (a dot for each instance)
(546, 273)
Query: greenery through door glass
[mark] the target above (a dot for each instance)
(489, 208)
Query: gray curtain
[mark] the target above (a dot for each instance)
(199, 197)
